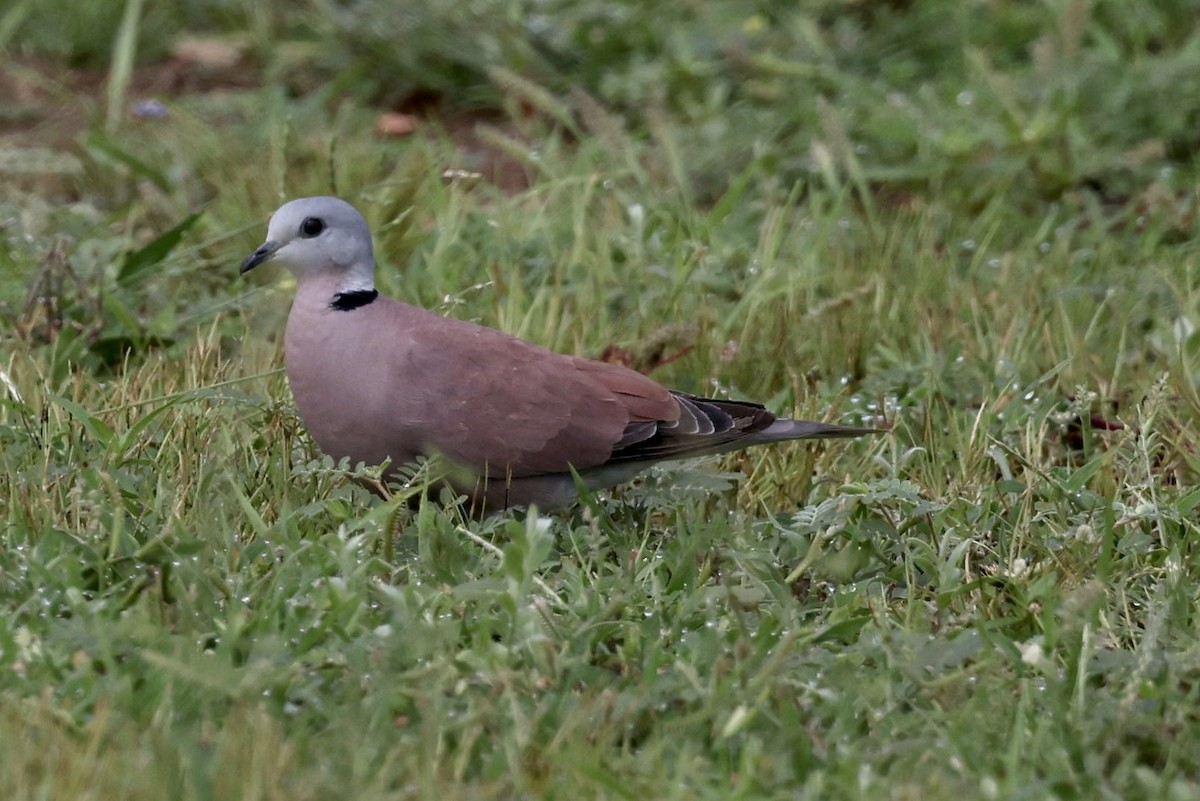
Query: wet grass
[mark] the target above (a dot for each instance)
(979, 231)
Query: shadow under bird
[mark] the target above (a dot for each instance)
(376, 379)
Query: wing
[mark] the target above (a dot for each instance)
(508, 407)
(705, 425)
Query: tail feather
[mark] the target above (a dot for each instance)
(711, 425)
(784, 429)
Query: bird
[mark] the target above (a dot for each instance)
(378, 380)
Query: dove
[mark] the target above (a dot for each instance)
(378, 380)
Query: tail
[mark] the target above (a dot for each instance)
(711, 425)
(784, 429)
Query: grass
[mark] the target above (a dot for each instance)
(973, 221)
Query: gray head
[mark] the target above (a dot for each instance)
(319, 235)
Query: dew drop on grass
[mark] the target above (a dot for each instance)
(969, 245)
(965, 98)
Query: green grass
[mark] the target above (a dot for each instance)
(973, 221)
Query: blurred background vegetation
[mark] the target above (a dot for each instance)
(979, 118)
(1049, 97)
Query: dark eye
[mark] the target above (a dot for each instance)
(312, 226)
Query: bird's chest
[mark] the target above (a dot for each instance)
(343, 386)
(319, 356)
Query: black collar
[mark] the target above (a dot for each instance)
(348, 301)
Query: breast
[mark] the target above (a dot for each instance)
(338, 370)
